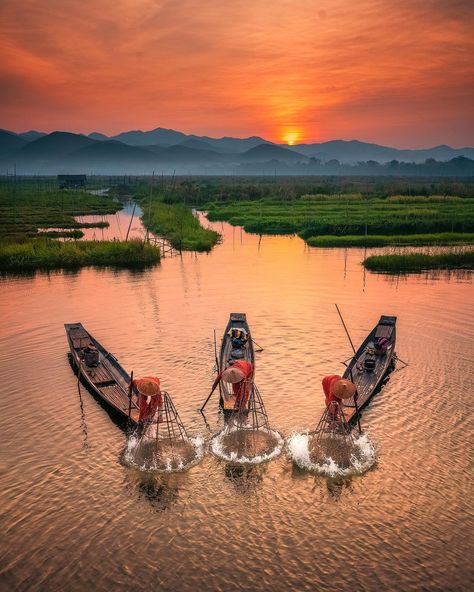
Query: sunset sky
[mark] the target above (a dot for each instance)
(397, 73)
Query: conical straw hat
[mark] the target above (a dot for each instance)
(148, 386)
(233, 375)
(343, 389)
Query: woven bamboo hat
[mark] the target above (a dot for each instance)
(233, 375)
(149, 386)
(343, 389)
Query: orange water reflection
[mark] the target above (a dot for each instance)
(81, 503)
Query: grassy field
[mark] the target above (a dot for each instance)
(43, 253)
(415, 262)
(444, 238)
(173, 220)
(351, 215)
(24, 208)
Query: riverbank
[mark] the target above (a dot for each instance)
(45, 253)
(442, 239)
(416, 262)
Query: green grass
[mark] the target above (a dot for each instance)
(178, 224)
(446, 238)
(76, 234)
(43, 253)
(339, 216)
(414, 262)
(25, 208)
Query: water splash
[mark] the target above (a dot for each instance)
(172, 459)
(223, 446)
(362, 456)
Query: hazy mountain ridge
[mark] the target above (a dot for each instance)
(66, 151)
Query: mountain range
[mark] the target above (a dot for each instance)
(168, 150)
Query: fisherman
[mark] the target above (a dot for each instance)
(335, 389)
(149, 398)
(239, 374)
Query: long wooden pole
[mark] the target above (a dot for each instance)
(345, 328)
(130, 391)
(131, 220)
(350, 369)
(218, 371)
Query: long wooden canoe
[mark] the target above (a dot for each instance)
(228, 354)
(368, 383)
(107, 380)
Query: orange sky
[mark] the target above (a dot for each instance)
(398, 73)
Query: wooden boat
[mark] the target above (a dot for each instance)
(228, 354)
(106, 378)
(368, 370)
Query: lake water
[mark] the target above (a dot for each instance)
(73, 517)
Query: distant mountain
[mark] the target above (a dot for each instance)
(167, 137)
(57, 144)
(180, 154)
(266, 152)
(231, 145)
(10, 142)
(113, 152)
(196, 144)
(158, 136)
(98, 136)
(175, 151)
(354, 151)
(32, 135)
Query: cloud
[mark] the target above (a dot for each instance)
(238, 67)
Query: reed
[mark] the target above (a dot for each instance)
(446, 238)
(44, 253)
(415, 262)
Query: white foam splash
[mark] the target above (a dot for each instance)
(299, 452)
(133, 442)
(217, 447)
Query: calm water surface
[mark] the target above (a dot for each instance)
(74, 518)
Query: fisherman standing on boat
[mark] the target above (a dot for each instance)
(239, 374)
(149, 398)
(335, 389)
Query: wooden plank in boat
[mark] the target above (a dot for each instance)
(384, 331)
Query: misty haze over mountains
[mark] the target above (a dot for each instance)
(169, 151)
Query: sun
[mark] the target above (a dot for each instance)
(291, 138)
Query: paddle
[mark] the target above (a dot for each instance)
(207, 400)
(218, 372)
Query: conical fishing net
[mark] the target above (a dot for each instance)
(332, 437)
(163, 444)
(331, 449)
(247, 436)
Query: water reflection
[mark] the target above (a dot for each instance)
(64, 508)
(159, 491)
(245, 478)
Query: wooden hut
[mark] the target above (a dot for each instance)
(72, 181)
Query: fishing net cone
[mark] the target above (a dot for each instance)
(341, 450)
(163, 443)
(332, 437)
(248, 443)
(247, 436)
(253, 416)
